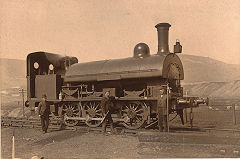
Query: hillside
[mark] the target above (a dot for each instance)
(205, 76)
(214, 89)
(205, 69)
(13, 73)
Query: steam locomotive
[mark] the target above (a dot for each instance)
(76, 89)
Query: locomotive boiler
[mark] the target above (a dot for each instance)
(76, 89)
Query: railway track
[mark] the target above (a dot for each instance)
(26, 123)
(54, 124)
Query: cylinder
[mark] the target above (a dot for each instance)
(163, 29)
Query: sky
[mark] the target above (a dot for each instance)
(109, 29)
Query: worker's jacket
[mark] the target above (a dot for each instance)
(43, 108)
(107, 104)
(162, 104)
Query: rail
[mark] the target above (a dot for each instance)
(54, 124)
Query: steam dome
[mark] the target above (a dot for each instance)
(141, 50)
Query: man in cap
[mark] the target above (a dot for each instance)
(107, 108)
(44, 111)
(162, 111)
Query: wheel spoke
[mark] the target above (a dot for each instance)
(135, 121)
(131, 122)
(141, 115)
(96, 106)
(127, 107)
(136, 107)
(124, 110)
(88, 107)
(98, 110)
(130, 106)
(68, 106)
(75, 107)
(139, 110)
(75, 110)
(75, 113)
(138, 119)
(98, 114)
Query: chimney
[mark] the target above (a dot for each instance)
(163, 28)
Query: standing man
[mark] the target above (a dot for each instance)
(162, 111)
(107, 108)
(60, 112)
(44, 111)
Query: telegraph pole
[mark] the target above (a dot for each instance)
(234, 114)
(167, 108)
(185, 110)
(22, 91)
(13, 144)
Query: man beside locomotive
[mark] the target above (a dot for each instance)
(107, 108)
(162, 111)
(44, 111)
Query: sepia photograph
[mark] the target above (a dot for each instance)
(118, 79)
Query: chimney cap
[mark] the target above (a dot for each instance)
(162, 25)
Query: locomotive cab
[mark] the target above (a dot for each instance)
(44, 75)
